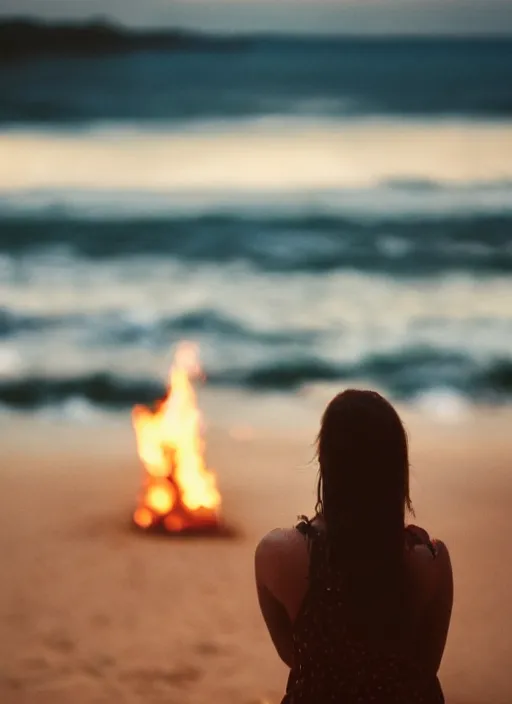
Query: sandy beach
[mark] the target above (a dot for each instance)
(94, 612)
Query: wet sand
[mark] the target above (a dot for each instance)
(92, 612)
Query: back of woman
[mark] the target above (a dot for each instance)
(335, 663)
(358, 604)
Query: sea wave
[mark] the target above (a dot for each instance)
(275, 155)
(388, 199)
(116, 307)
(404, 375)
(311, 243)
(118, 328)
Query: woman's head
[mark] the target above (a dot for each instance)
(363, 493)
(363, 456)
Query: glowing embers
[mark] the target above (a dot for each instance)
(179, 493)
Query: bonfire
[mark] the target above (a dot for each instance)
(179, 493)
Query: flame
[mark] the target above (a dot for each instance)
(179, 491)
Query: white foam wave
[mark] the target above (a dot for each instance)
(349, 315)
(444, 405)
(271, 155)
(10, 361)
(385, 200)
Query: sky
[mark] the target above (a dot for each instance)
(290, 16)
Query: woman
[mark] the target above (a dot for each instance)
(357, 603)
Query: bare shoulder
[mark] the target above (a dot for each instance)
(430, 570)
(281, 558)
(278, 544)
(442, 565)
(430, 566)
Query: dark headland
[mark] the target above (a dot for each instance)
(27, 39)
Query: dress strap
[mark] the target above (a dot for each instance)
(418, 536)
(306, 527)
(313, 536)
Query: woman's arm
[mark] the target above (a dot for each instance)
(278, 624)
(433, 578)
(439, 610)
(277, 620)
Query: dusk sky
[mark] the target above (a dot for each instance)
(313, 16)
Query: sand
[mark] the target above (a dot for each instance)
(93, 612)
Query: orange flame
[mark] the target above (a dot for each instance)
(179, 491)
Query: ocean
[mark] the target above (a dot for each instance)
(311, 211)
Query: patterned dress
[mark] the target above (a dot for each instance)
(330, 666)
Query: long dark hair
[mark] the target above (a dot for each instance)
(363, 494)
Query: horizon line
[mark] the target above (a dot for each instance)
(120, 27)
